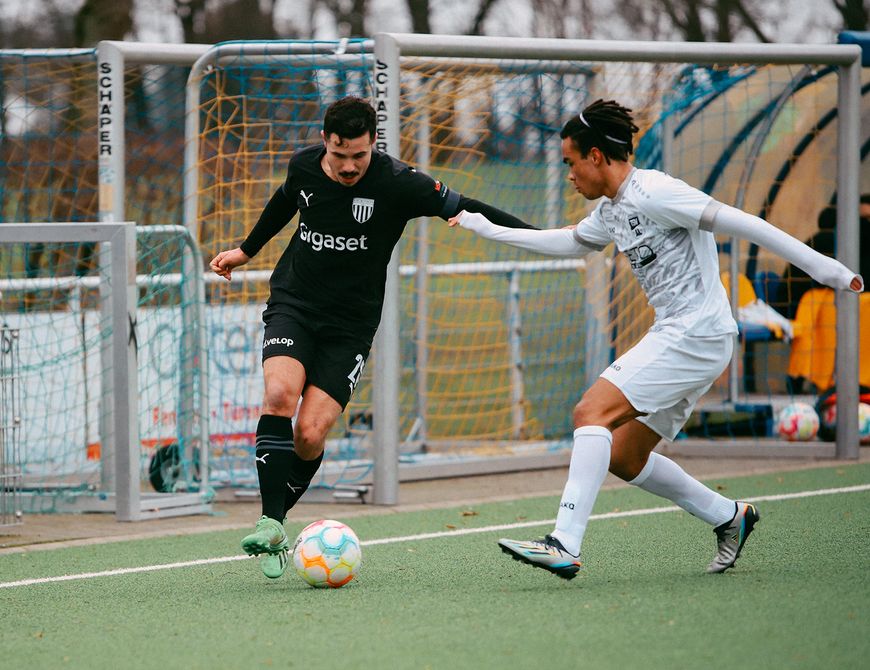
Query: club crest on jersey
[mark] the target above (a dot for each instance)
(362, 209)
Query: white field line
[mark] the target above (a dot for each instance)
(423, 536)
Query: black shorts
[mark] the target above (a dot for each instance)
(333, 354)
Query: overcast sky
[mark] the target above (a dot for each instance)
(803, 21)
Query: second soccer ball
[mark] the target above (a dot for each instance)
(797, 422)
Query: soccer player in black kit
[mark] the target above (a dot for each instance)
(327, 291)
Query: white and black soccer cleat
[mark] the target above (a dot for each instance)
(731, 536)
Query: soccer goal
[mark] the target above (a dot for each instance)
(774, 129)
(10, 427)
(98, 135)
(483, 349)
(78, 369)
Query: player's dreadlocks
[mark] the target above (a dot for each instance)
(603, 124)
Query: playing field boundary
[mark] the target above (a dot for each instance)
(423, 536)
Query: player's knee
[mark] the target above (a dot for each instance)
(586, 414)
(279, 399)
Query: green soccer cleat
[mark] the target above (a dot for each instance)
(274, 565)
(270, 539)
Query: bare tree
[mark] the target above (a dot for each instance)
(191, 14)
(476, 27)
(103, 20)
(854, 13)
(240, 19)
(567, 18)
(209, 21)
(54, 27)
(350, 16)
(419, 10)
(706, 20)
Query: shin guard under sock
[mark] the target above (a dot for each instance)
(300, 475)
(274, 461)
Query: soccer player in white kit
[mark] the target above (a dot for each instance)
(665, 228)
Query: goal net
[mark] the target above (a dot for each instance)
(496, 345)
(757, 136)
(50, 292)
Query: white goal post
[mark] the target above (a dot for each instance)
(391, 48)
(392, 75)
(119, 488)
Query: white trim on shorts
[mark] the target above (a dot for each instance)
(667, 372)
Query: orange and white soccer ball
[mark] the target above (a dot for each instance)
(327, 554)
(797, 422)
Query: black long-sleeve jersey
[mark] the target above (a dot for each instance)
(336, 262)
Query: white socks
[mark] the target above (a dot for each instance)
(590, 460)
(665, 478)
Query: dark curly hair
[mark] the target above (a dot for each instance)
(603, 124)
(349, 118)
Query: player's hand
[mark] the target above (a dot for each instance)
(226, 261)
(473, 221)
(857, 284)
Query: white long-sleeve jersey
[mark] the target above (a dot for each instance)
(665, 229)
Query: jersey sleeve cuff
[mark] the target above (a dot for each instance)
(451, 205)
(248, 249)
(708, 216)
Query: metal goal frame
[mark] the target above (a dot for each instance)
(119, 489)
(390, 48)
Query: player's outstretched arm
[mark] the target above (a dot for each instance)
(494, 214)
(556, 242)
(226, 261)
(828, 271)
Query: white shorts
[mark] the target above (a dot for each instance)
(666, 373)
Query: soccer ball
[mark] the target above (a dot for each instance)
(327, 554)
(797, 422)
(828, 415)
(829, 422)
(864, 423)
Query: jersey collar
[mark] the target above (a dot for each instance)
(624, 185)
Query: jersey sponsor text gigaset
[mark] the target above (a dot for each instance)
(320, 241)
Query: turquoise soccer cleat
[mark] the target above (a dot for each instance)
(548, 554)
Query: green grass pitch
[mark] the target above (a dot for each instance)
(799, 596)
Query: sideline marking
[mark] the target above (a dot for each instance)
(423, 536)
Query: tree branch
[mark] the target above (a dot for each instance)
(482, 12)
(749, 21)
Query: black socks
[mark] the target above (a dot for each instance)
(274, 451)
(300, 475)
(283, 475)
